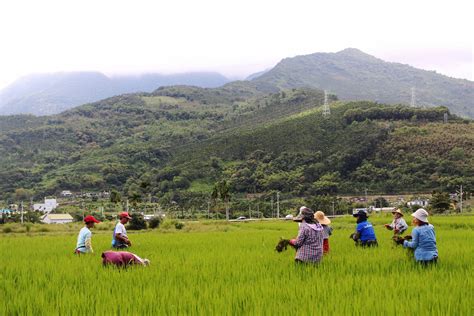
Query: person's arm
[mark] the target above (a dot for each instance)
(120, 236)
(402, 226)
(123, 239)
(298, 242)
(414, 242)
(390, 226)
(88, 243)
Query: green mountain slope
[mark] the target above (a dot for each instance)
(103, 144)
(361, 145)
(354, 75)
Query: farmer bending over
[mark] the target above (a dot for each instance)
(364, 234)
(122, 259)
(398, 225)
(119, 238)
(84, 239)
(309, 243)
(423, 239)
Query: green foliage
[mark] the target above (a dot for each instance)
(354, 75)
(137, 222)
(154, 222)
(440, 202)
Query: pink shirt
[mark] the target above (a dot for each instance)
(120, 258)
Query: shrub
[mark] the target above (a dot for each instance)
(154, 222)
(7, 230)
(137, 223)
(179, 225)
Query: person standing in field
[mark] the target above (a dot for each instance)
(398, 225)
(423, 239)
(119, 238)
(309, 243)
(364, 234)
(327, 230)
(84, 239)
(122, 259)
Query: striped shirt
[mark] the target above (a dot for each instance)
(309, 243)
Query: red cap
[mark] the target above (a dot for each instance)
(90, 219)
(125, 214)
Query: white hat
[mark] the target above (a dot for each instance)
(421, 215)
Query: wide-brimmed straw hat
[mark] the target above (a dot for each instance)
(321, 218)
(421, 214)
(397, 211)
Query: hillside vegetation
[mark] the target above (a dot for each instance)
(176, 143)
(354, 75)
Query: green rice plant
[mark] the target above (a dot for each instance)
(225, 268)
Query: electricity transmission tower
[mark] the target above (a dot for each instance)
(413, 98)
(326, 110)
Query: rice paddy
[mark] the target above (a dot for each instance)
(232, 268)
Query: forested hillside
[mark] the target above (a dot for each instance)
(178, 142)
(354, 75)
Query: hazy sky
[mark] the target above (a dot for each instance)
(235, 37)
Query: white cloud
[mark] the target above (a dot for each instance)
(235, 37)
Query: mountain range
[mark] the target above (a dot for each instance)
(45, 94)
(354, 75)
(350, 74)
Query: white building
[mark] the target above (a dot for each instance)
(48, 206)
(420, 202)
(57, 219)
(66, 193)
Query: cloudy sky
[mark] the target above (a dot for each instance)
(234, 37)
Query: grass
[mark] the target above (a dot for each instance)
(232, 268)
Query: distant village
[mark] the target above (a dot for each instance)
(50, 212)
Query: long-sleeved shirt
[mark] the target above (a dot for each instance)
(309, 243)
(399, 224)
(84, 243)
(327, 231)
(424, 243)
(121, 258)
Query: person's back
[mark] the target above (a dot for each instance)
(424, 242)
(366, 231)
(82, 240)
(122, 259)
(309, 242)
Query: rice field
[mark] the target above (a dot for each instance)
(231, 268)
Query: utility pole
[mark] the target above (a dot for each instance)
(208, 209)
(278, 204)
(21, 210)
(366, 200)
(273, 214)
(332, 208)
(250, 212)
(460, 194)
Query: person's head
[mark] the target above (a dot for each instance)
(306, 215)
(420, 217)
(321, 218)
(361, 216)
(397, 213)
(124, 217)
(146, 262)
(90, 221)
